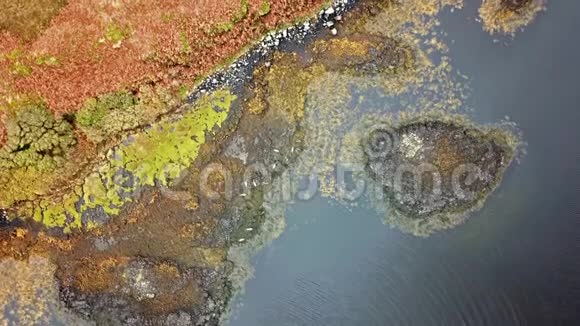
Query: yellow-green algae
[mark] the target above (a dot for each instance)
(162, 152)
(155, 155)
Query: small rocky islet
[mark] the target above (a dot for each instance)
(435, 171)
(509, 16)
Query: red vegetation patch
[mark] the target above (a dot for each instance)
(92, 47)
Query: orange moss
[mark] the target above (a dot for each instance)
(448, 156)
(21, 242)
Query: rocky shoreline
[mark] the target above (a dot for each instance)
(240, 72)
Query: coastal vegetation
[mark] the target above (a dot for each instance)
(155, 155)
(35, 139)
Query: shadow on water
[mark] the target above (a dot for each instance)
(514, 262)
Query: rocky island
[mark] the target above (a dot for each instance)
(434, 172)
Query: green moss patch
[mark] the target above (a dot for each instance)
(154, 156)
(264, 8)
(112, 113)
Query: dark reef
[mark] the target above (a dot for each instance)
(434, 167)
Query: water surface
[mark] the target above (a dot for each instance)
(515, 262)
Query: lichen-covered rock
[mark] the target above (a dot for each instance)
(433, 172)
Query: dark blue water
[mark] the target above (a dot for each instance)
(516, 262)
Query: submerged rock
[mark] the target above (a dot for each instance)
(363, 54)
(507, 16)
(515, 4)
(434, 172)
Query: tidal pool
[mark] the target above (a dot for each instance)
(514, 262)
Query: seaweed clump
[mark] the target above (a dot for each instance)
(434, 172)
(507, 16)
(363, 54)
(287, 84)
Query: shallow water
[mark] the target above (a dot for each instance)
(512, 263)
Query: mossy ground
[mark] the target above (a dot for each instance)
(156, 155)
(35, 139)
(183, 242)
